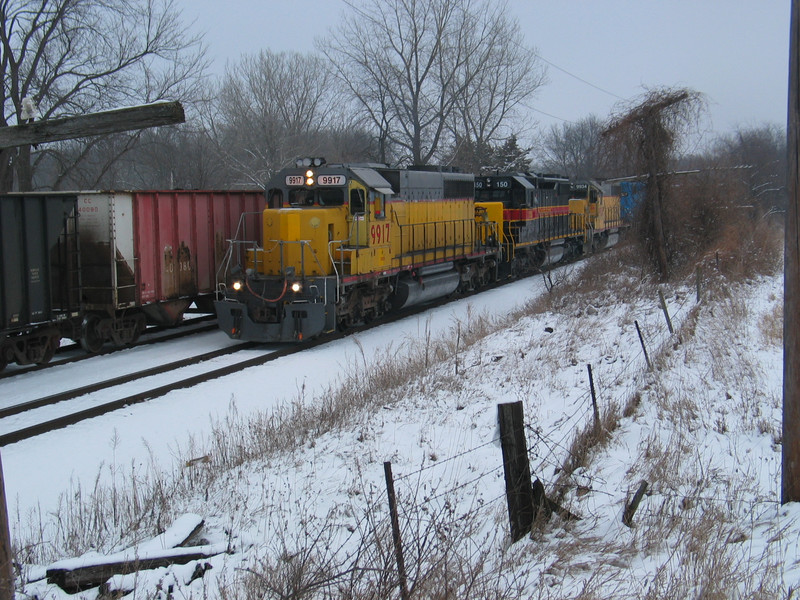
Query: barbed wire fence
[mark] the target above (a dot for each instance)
(548, 451)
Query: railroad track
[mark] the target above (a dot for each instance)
(153, 335)
(106, 407)
(156, 392)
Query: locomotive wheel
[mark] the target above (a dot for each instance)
(344, 323)
(91, 338)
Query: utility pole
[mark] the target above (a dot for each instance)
(790, 477)
(100, 123)
(66, 128)
(51, 130)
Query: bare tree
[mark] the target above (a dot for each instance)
(270, 108)
(650, 132)
(158, 158)
(759, 156)
(412, 67)
(575, 149)
(498, 79)
(76, 56)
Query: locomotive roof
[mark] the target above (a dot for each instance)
(371, 178)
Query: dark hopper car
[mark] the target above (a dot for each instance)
(98, 267)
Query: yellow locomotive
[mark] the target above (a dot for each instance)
(344, 244)
(547, 219)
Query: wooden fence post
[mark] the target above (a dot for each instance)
(790, 448)
(519, 492)
(594, 402)
(6, 566)
(644, 348)
(398, 544)
(627, 516)
(666, 312)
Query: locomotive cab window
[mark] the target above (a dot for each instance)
(301, 197)
(357, 203)
(330, 197)
(519, 199)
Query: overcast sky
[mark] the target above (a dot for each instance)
(599, 52)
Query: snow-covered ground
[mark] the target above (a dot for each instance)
(702, 428)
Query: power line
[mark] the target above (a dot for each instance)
(597, 87)
(552, 116)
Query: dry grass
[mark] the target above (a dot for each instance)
(694, 542)
(771, 325)
(141, 502)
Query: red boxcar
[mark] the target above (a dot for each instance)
(151, 254)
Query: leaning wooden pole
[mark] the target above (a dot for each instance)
(6, 554)
(790, 479)
(101, 123)
(398, 543)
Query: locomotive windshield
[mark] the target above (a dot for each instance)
(585, 191)
(500, 189)
(316, 197)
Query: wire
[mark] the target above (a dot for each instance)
(563, 70)
(547, 114)
(443, 461)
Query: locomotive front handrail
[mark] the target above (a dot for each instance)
(239, 239)
(333, 262)
(303, 243)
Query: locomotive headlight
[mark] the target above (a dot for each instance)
(296, 287)
(309, 177)
(237, 285)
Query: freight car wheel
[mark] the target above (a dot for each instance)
(138, 328)
(91, 338)
(49, 351)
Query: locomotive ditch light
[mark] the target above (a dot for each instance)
(296, 287)
(237, 285)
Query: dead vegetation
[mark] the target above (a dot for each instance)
(691, 529)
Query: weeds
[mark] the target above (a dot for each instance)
(685, 542)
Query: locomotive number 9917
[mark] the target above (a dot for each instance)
(379, 233)
(331, 180)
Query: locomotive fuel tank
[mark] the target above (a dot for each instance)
(429, 285)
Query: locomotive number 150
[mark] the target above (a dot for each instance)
(379, 233)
